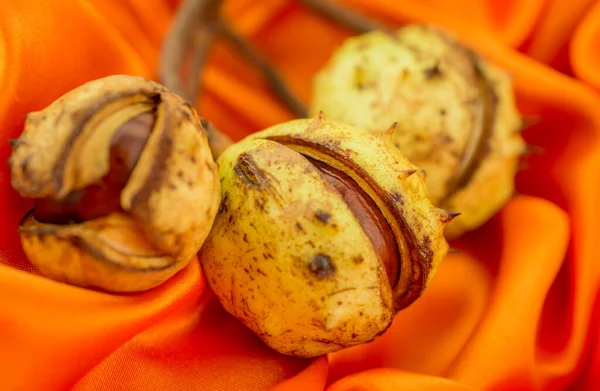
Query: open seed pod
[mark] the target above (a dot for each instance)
(323, 233)
(124, 183)
(456, 113)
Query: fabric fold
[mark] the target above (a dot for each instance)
(585, 57)
(517, 308)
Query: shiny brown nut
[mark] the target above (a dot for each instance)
(124, 185)
(456, 113)
(324, 232)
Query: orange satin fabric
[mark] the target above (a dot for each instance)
(517, 309)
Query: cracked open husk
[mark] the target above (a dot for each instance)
(289, 256)
(124, 184)
(456, 113)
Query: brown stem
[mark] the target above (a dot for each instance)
(203, 44)
(192, 32)
(345, 16)
(217, 141)
(196, 25)
(273, 78)
(193, 17)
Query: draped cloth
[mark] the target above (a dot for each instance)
(516, 309)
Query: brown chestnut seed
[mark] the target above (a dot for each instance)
(102, 198)
(378, 197)
(369, 216)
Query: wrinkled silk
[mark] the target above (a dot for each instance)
(516, 309)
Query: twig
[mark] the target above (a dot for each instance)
(280, 88)
(194, 28)
(346, 16)
(197, 24)
(217, 141)
(203, 45)
(179, 38)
